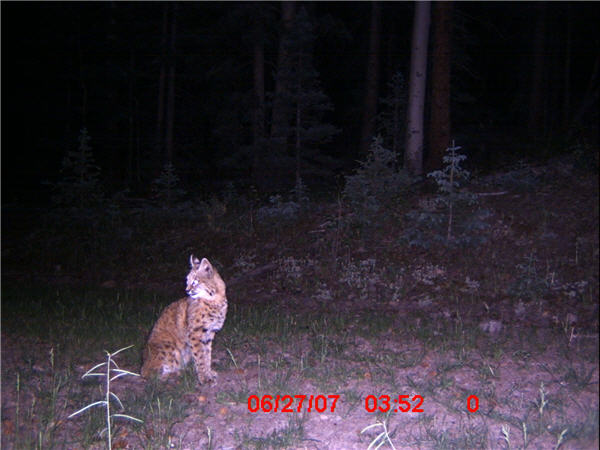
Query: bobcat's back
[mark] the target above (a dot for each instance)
(186, 328)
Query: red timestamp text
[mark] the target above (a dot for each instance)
(292, 403)
(401, 403)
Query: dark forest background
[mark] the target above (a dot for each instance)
(176, 83)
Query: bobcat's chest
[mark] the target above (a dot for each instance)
(206, 315)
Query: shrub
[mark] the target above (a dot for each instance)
(278, 210)
(375, 183)
(80, 187)
(453, 216)
(166, 187)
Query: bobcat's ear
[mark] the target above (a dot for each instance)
(206, 267)
(194, 262)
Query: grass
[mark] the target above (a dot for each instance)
(382, 438)
(288, 436)
(107, 374)
(377, 318)
(71, 324)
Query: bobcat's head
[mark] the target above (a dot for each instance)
(204, 281)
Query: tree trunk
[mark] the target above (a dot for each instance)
(138, 144)
(440, 124)
(567, 69)
(298, 144)
(536, 99)
(114, 167)
(258, 122)
(161, 86)
(413, 156)
(589, 99)
(372, 79)
(68, 123)
(131, 116)
(171, 92)
(278, 115)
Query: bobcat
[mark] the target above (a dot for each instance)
(186, 328)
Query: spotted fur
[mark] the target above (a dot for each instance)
(186, 328)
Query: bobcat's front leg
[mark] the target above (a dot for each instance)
(202, 354)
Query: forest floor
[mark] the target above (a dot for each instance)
(340, 333)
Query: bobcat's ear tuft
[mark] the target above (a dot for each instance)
(206, 267)
(194, 262)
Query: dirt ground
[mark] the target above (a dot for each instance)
(472, 330)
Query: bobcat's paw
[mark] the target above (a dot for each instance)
(208, 376)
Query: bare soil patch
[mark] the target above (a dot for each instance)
(509, 325)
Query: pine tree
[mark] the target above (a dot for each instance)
(166, 187)
(80, 187)
(391, 121)
(304, 100)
